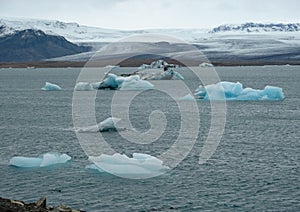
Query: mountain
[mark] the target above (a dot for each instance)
(86, 34)
(257, 28)
(267, 43)
(35, 45)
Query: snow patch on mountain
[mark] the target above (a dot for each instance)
(257, 28)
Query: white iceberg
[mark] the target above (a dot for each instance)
(140, 165)
(51, 87)
(235, 91)
(109, 124)
(112, 66)
(133, 82)
(160, 75)
(144, 66)
(203, 65)
(158, 64)
(44, 160)
(84, 86)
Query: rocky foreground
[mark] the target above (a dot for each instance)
(8, 205)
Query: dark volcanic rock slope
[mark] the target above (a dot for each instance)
(35, 45)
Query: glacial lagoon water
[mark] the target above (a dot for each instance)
(255, 167)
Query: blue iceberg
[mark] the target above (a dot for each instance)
(235, 91)
(51, 87)
(44, 160)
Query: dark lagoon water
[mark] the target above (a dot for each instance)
(256, 167)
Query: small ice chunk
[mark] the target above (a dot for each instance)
(51, 87)
(44, 160)
(109, 124)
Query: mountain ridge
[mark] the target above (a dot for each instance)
(35, 45)
(251, 27)
(77, 33)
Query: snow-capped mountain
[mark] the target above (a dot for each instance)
(257, 28)
(84, 34)
(71, 31)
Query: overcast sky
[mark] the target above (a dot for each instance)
(141, 14)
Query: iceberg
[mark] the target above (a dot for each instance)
(112, 66)
(203, 65)
(235, 91)
(162, 75)
(109, 82)
(158, 64)
(51, 87)
(109, 124)
(133, 82)
(44, 160)
(165, 74)
(140, 165)
(83, 86)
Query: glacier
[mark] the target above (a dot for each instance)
(44, 160)
(109, 124)
(139, 165)
(51, 87)
(234, 91)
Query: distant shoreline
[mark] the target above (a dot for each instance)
(136, 63)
